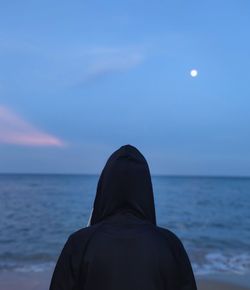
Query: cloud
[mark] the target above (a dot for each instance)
(107, 60)
(15, 130)
(113, 64)
(70, 65)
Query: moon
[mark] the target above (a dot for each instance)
(194, 73)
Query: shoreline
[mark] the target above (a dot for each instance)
(13, 280)
(213, 284)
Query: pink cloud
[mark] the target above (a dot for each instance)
(15, 130)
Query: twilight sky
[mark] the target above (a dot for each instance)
(78, 79)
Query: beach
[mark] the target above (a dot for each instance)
(41, 280)
(204, 284)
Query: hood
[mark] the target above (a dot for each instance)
(124, 184)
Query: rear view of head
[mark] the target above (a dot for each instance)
(124, 184)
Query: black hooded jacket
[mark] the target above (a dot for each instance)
(123, 248)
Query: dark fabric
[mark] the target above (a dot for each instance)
(125, 182)
(123, 248)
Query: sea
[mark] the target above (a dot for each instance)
(211, 215)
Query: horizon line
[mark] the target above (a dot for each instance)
(152, 174)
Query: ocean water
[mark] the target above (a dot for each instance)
(210, 215)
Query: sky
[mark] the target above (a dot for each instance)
(79, 79)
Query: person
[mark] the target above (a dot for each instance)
(123, 248)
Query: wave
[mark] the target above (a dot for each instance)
(26, 268)
(217, 262)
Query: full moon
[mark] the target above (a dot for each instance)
(193, 73)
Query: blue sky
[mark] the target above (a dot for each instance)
(78, 79)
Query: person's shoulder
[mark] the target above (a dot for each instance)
(83, 233)
(169, 235)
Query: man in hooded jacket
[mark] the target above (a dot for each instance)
(122, 248)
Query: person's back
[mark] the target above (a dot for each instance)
(123, 248)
